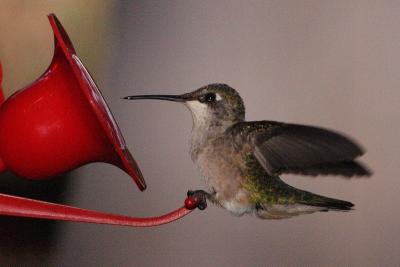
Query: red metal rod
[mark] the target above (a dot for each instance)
(24, 207)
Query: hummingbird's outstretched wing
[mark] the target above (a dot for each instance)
(292, 148)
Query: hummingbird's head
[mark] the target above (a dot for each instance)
(213, 104)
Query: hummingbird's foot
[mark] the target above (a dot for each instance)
(201, 196)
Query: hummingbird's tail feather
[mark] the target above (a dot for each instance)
(329, 203)
(303, 203)
(284, 211)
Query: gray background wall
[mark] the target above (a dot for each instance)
(328, 63)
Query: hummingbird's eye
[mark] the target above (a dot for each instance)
(209, 98)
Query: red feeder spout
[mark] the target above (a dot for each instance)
(24, 207)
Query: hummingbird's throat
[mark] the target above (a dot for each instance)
(200, 113)
(206, 124)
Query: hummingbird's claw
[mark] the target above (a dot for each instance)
(200, 196)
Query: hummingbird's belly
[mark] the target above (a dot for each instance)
(223, 176)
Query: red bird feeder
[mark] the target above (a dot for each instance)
(59, 123)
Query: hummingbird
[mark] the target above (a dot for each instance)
(242, 161)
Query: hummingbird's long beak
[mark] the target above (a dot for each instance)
(175, 98)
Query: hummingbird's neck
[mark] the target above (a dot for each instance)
(210, 128)
(204, 131)
(208, 125)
